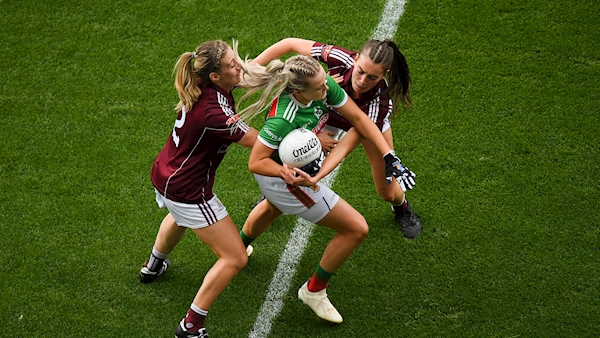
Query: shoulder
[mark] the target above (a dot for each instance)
(218, 105)
(283, 107)
(336, 96)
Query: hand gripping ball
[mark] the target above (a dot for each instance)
(299, 147)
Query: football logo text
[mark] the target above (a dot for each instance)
(313, 142)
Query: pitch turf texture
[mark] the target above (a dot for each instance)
(504, 139)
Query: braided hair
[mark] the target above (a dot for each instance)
(275, 78)
(386, 54)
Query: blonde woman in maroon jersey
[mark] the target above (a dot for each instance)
(183, 174)
(376, 78)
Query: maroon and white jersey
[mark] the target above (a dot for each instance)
(376, 103)
(184, 171)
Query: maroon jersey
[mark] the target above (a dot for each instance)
(184, 171)
(376, 103)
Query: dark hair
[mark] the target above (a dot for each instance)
(387, 54)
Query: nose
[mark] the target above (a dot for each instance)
(362, 79)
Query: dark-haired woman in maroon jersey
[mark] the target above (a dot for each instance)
(376, 78)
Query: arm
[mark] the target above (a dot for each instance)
(350, 141)
(260, 161)
(367, 128)
(248, 139)
(285, 46)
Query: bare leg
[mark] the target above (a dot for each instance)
(392, 192)
(224, 240)
(260, 218)
(169, 235)
(351, 229)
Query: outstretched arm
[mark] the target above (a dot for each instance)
(367, 128)
(248, 139)
(285, 46)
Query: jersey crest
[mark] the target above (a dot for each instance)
(325, 52)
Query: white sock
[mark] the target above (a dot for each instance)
(156, 260)
(198, 310)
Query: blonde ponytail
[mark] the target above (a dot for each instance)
(192, 71)
(274, 79)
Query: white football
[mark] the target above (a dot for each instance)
(299, 147)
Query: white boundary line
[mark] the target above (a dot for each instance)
(286, 269)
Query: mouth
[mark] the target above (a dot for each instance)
(359, 88)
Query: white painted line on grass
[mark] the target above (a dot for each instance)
(389, 19)
(286, 269)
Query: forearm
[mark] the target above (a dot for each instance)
(265, 167)
(248, 139)
(283, 47)
(367, 128)
(260, 161)
(350, 141)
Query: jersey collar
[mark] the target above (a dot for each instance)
(300, 104)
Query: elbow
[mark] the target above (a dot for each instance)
(252, 167)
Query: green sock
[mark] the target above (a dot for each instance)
(319, 280)
(322, 274)
(247, 240)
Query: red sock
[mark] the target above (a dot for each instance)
(315, 284)
(194, 320)
(400, 208)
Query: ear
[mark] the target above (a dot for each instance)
(297, 93)
(214, 77)
(299, 96)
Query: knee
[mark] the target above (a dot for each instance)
(364, 231)
(239, 262)
(360, 231)
(387, 196)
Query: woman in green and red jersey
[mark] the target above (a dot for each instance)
(376, 79)
(300, 88)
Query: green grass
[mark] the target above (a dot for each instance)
(504, 140)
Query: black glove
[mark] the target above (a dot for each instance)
(313, 167)
(394, 167)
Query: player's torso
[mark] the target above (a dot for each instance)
(312, 116)
(199, 140)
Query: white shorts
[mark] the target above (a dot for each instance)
(193, 216)
(386, 124)
(310, 203)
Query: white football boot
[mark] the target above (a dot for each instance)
(320, 304)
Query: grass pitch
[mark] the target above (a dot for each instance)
(504, 140)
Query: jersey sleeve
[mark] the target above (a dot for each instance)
(226, 124)
(273, 131)
(336, 96)
(333, 56)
